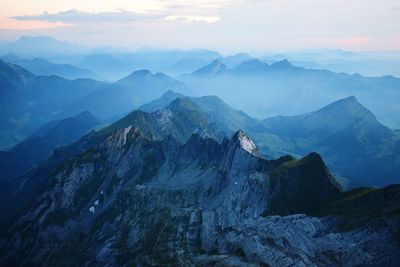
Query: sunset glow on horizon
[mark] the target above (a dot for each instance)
(245, 24)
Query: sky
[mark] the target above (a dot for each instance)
(241, 25)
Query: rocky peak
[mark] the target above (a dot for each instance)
(246, 143)
(181, 104)
(215, 67)
(10, 71)
(171, 95)
(282, 65)
(136, 75)
(251, 66)
(348, 109)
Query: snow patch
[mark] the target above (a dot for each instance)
(96, 202)
(92, 209)
(247, 144)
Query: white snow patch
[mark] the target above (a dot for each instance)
(247, 144)
(92, 209)
(236, 183)
(101, 192)
(96, 202)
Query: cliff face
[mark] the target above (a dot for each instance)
(124, 198)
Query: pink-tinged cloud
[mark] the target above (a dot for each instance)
(12, 24)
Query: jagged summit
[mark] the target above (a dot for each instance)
(215, 67)
(8, 70)
(246, 143)
(349, 107)
(161, 102)
(350, 100)
(138, 74)
(181, 118)
(251, 66)
(171, 94)
(282, 65)
(86, 115)
(182, 104)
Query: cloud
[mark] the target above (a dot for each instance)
(208, 19)
(74, 16)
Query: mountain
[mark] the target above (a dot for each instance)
(29, 101)
(44, 47)
(132, 194)
(180, 119)
(251, 66)
(376, 63)
(283, 65)
(161, 102)
(191, 64)
(41, 144)
(116, 64)
(340, 131)
(185, 66)
(214, 68)
(111, 66)
(59, 133)
(11, 166)
(281, 88)
(126, 94)
(211, 200)
(236, 59)
(216, 111)
(255, 66)
(359, 205)
(42, 67)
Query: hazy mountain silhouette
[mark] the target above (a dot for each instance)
(41, 144)
(265, 90)
(42, 67)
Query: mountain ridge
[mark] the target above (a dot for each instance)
(209, 197)
(341, 130)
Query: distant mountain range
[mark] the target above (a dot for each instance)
(29, 101)
(266, 90)
(126, 94)
(368, 63)
(152, 184)
(114, 66)
(42, 67)
(116, 62)
(41, 144)
(338, 132)
(46, 48)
